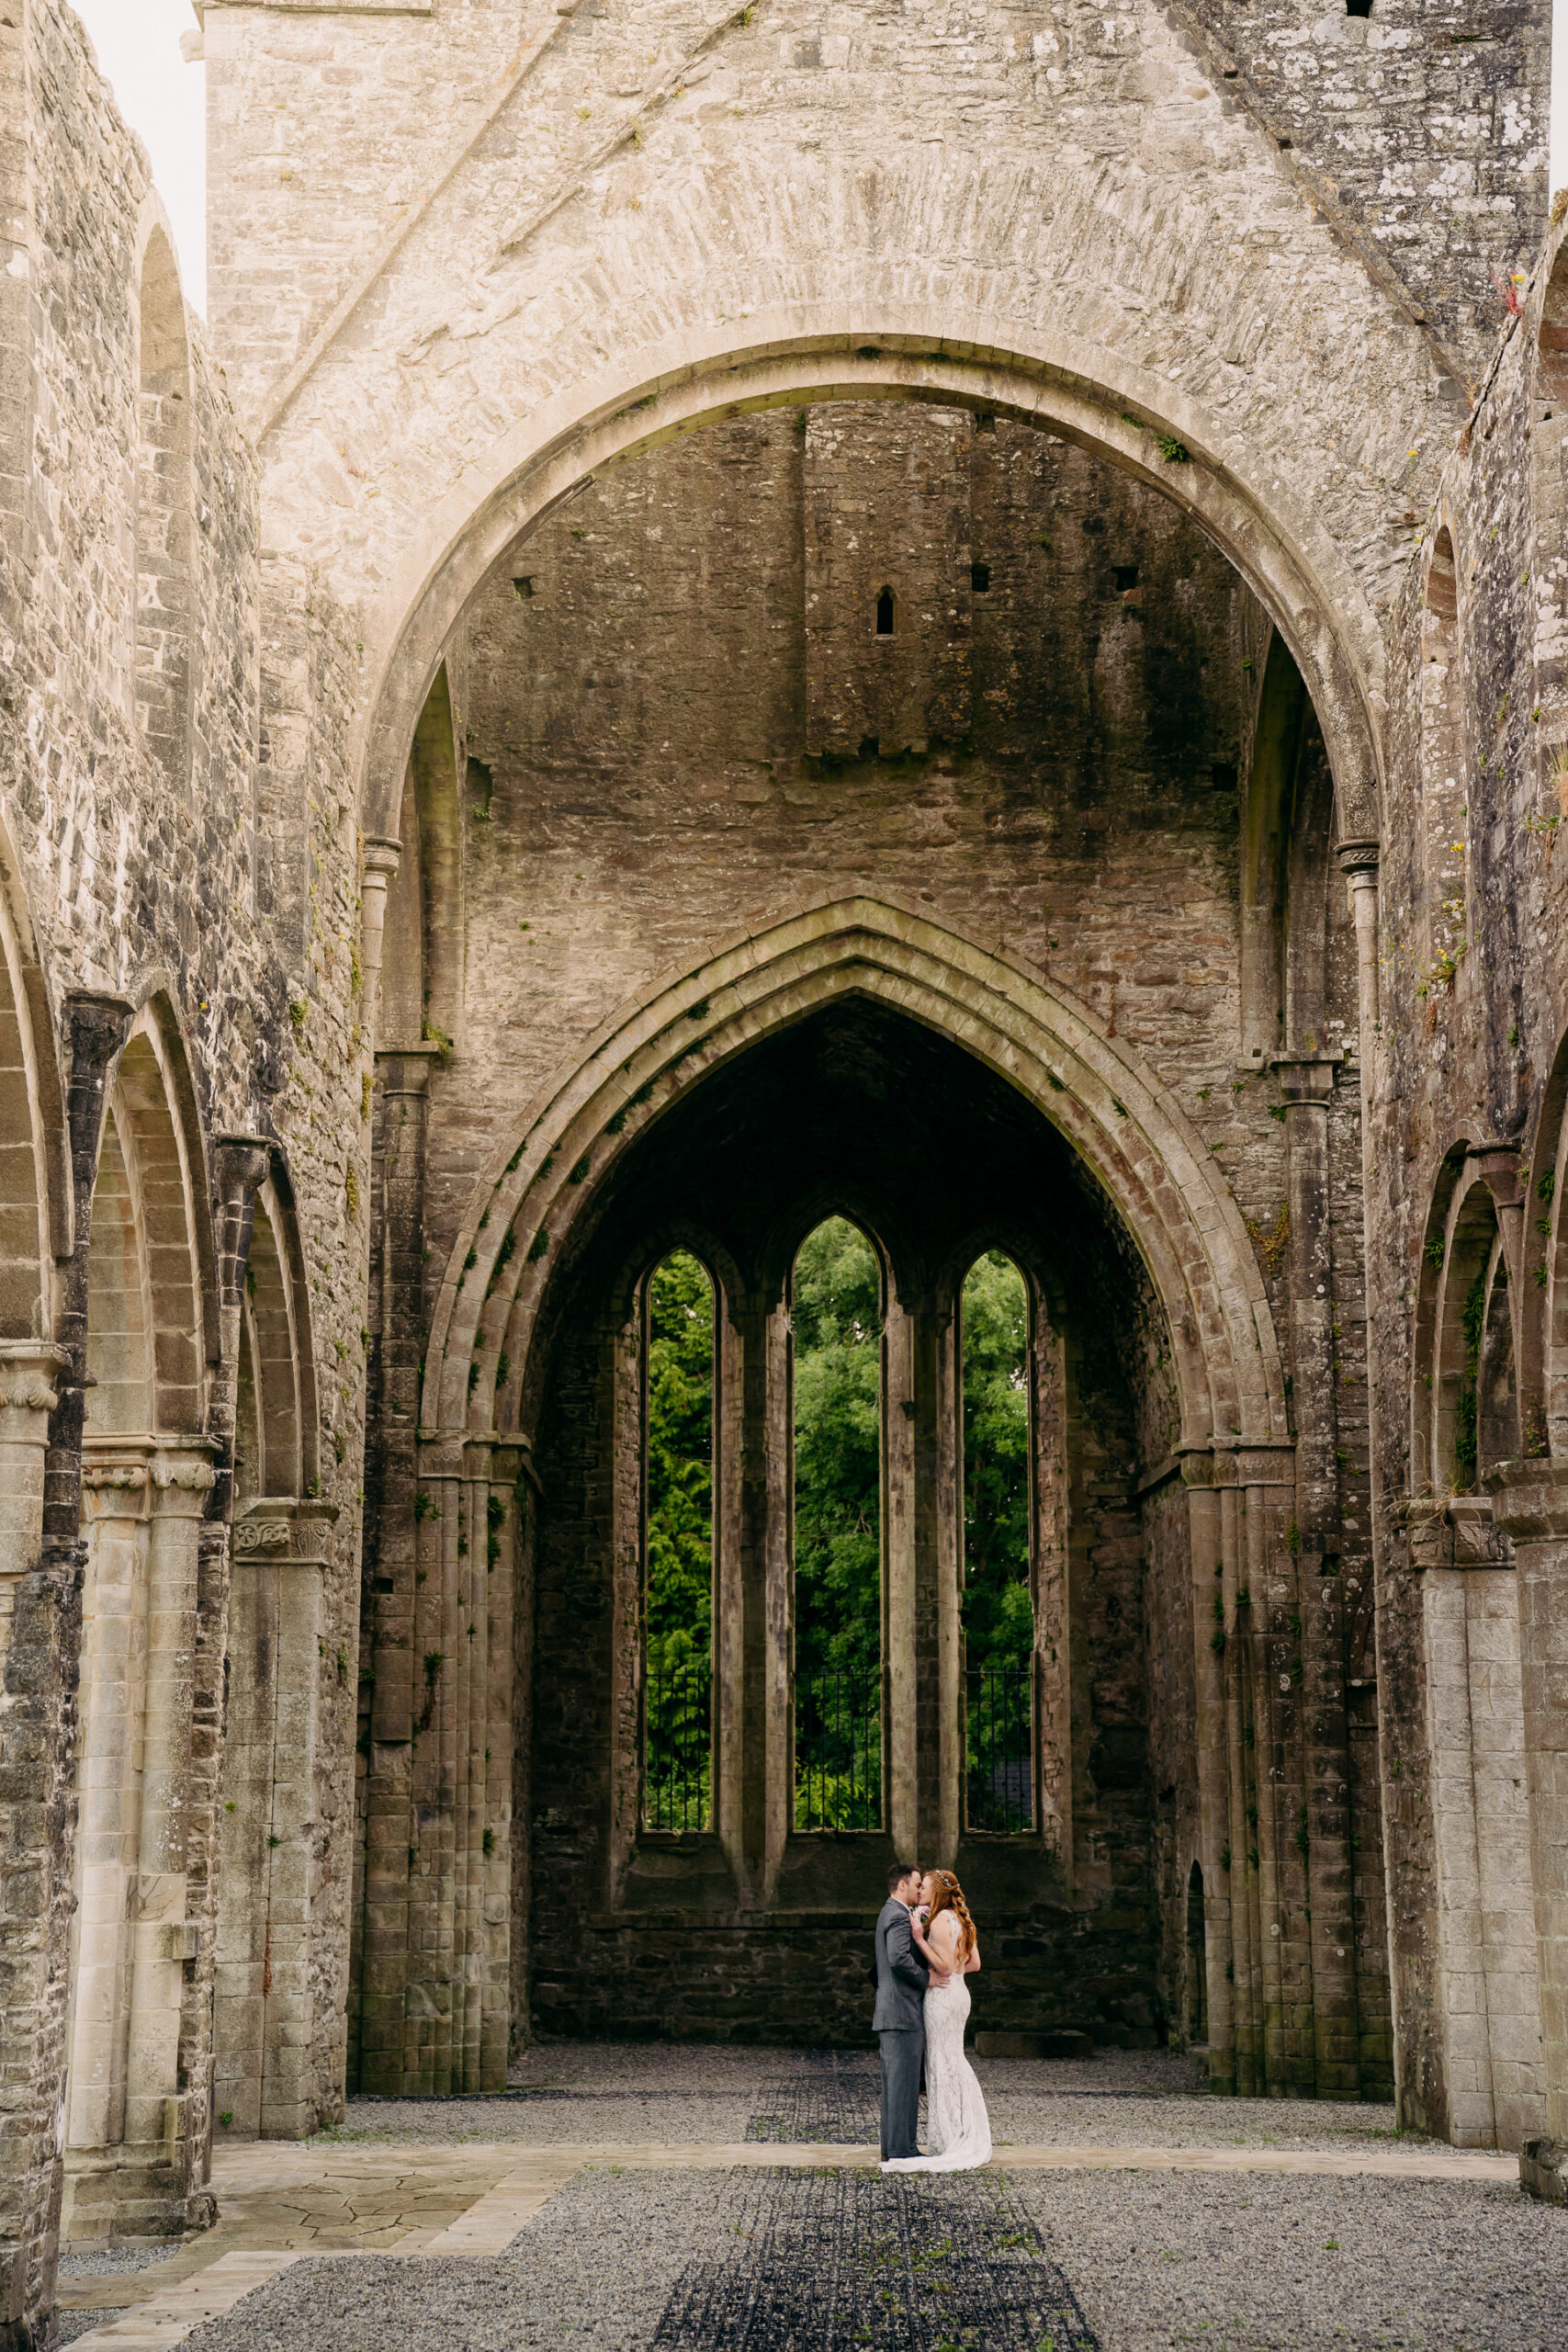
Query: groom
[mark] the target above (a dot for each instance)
(899, 2022)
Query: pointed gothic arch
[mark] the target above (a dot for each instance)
(1093, 1087)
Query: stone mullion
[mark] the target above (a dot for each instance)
(935, 1586)
(767, 1470)
(1050, 1558)
(946, 1506)
(900, 1587)
(1215, 1771)
(1308, 1085)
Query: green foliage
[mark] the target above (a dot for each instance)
(837, 1316)
(678, 1602)
(838, 1447)
(680, 1463)
(998, 1620)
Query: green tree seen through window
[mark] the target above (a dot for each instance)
(679, 1589)
(837, 1319)
(998, 1615)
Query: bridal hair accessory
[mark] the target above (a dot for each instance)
(949, 1896)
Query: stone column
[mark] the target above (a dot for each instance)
(1530, 1500)
(1223, 1868)
(158, 2131)
(396, 1318)
(379, 864)
(1358, 864)
(33, 1823)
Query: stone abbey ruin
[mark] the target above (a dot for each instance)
(939, 622)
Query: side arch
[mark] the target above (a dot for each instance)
(1097, 1093)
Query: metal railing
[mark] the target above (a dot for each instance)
(1001, 1748)
(838, 1751)
(677, 1772)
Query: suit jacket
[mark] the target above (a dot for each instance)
(901, 1975)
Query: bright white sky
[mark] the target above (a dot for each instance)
(137, 43)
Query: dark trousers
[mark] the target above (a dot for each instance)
(903, 2060)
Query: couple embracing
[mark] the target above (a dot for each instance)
(926, 1948)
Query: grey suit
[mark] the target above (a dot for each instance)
(899, 2024)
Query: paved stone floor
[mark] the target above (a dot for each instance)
(678, 2199)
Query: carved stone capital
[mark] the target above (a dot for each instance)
(1530, 1500)
(284, 1531)
(30, 1372)
(1358, 864)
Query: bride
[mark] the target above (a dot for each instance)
(957, 2127)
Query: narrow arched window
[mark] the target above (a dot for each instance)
(837, 1323)
(678, 1546)
(885, 613)
(998, 1612)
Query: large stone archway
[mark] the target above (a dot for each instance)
(606, 240)
(443, 1728)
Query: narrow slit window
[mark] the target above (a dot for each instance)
(678, 1547)
(837, 1323)
(885, 613)
(999, 1611)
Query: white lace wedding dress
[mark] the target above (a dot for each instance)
(958, 2130)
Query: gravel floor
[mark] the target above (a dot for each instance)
(642, 2092)
(111, 2262)
(705, 2262)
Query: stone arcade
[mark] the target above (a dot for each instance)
(947, 612)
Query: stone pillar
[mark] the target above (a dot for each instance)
(264, 1984)
(157, 2123)
(1530, 1500)
(390, 1566)
(1308, 1085)
(33, 1825)
(1224, 1868)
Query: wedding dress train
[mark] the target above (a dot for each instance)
(958, 2130)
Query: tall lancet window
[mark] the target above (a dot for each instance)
(998, 1613)
(837, 1322)
(678, 1548)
